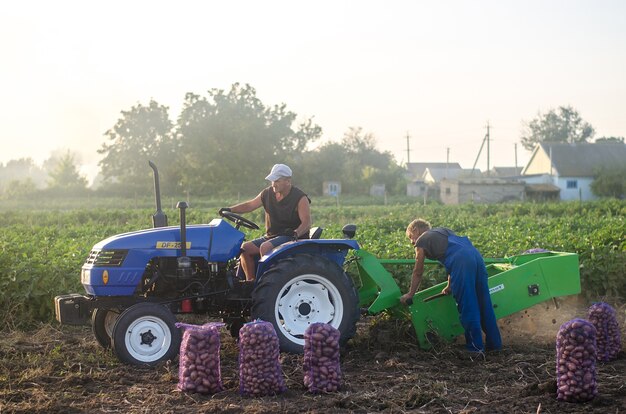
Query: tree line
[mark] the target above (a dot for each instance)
(225, 143)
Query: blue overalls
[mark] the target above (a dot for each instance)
(468, 282)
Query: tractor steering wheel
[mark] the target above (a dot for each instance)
(239, 220)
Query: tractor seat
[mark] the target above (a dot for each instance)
(315, 232)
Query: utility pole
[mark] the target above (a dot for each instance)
(515, 157)
(408, 150)
(447, 160)
(487, 137)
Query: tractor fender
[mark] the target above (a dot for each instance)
(334, 250)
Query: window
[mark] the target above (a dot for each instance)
(448, 190)
(333, 189)
(571, 184)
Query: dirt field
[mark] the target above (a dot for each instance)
(62, 369)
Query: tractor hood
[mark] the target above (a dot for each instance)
(115, 265)
(217, 241)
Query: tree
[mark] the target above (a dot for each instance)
(610, 140)
(229, 140)
(561, 125)
(24, 188)
(365, 165)
(610, 182)
(21, 169)
(65, 177)
(143, 133)
(325, 163)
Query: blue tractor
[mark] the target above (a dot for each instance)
(137, 283)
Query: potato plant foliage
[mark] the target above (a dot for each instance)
(42, 251)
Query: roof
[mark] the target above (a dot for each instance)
(580, 160)
(486, 181)
(438, 174)
(542, 188)
(507, 171)
(416, 169)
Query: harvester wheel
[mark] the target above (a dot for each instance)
(302, 290)
(146, 334)
(102, 323)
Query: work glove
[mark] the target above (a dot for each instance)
(223, 209)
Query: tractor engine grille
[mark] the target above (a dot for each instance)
(106, 257)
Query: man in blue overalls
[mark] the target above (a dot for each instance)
(467, 280)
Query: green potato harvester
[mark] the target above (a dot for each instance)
(515, 283)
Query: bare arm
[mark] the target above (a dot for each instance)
(446, 290)
(304, 212)
(247, 206)
(416, 277)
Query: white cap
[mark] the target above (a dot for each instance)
(278, 171)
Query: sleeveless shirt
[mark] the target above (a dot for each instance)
(434, 242)
(282, 215)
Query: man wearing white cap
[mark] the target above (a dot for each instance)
(287, 216)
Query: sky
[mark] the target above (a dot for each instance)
(437, 71)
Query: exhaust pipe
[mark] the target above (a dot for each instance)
(159, 219)
(184, 262)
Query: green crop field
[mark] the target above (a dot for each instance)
(42, 247)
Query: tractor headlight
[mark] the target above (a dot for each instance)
(85, 276)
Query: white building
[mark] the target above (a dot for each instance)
(572, 167)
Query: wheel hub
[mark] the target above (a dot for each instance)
(304, 308)
(305, 302)
(147, 338)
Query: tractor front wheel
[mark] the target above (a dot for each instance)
(302, 290)
(102, 323)
(146, 334)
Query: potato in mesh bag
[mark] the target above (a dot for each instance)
(260, 372)
(322, 370)
(608, 338)
(199, 362)
(576, 361)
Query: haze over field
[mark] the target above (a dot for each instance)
(438, 71)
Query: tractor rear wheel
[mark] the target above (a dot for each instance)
(302, 290)
(146, 334)
(102, 323)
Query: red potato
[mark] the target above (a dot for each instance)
(260, 373)
(322, 372)
(608, 339)
(199, 362)
(575, 361)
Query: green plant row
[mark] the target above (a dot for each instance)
(42, 251)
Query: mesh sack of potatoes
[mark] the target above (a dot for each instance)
(576, 361)
(260, 372)
(608, 339)
(199, 361)
(322, 370)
